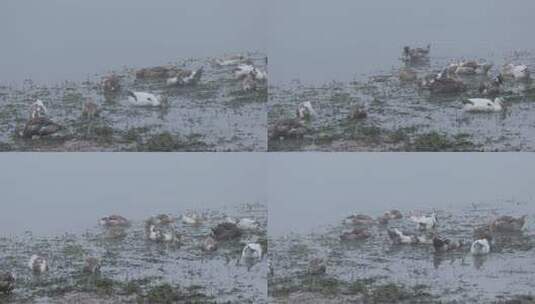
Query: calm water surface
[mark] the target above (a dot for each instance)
(52, 41)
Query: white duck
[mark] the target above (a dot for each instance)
(144, 99)
(425, 222)
(480, 247)
(252, 251)
(37, 109)
(517, 72)
(305, 110)
(483, 105)
(38, 264)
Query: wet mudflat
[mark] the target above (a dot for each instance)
(374, 270)
(134, 269)
(403, 117)
(213, 115)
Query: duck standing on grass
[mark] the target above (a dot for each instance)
(38, 264)
(7, 282)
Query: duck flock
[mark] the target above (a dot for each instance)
(164, 81)
(478, 86)
(162, 229)
(426, 232)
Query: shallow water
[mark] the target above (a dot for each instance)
(348, 53)
(133, 258)
(311, 193)
(400, 114)
(214, 115)
(454, 277)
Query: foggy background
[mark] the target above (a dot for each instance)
(57, 40)
(308, 190)
(318, 41)
(68, 192)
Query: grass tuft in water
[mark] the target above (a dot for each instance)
(435, 141)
